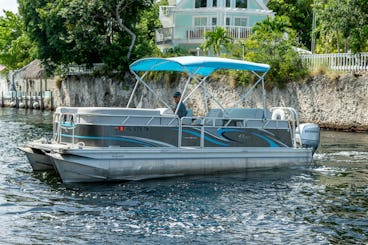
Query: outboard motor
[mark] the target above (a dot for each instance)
(309, 135)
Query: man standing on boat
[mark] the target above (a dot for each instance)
(182, 111)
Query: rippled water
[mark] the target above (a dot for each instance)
(327, 204)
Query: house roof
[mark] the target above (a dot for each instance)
(196, 65)
(262, 4)
(34, 70)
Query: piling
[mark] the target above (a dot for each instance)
(42, 107)
(28, 100)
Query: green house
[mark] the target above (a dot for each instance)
(185, 21)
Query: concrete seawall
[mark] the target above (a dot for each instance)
(340, 103)
(336, 103)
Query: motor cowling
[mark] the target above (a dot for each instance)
(309, 135)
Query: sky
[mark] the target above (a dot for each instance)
(11, 5)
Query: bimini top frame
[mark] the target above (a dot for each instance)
(198, 68)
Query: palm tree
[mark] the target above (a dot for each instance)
(280, 24)
(216, 40)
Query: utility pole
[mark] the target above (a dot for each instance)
(313, 43)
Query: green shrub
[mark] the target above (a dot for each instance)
(273, 43)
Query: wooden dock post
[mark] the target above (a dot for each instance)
(31, 100)
(16, 100)
(26, 101)
(41, 104)
(51, 101)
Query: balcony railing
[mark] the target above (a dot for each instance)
(164, 35)
(82, 69)
(166, 11)
(195, 34)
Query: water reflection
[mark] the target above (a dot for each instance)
(321, 205)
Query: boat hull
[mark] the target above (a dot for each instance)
(137, 164)
(38, 160)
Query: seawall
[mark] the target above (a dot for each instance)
(335, 103)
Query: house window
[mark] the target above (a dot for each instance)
(227, 4)
(200, 3)
(241, 22)
(214, 21)
(242, 4)
(200, 21)
(214, 3)
(227, 21)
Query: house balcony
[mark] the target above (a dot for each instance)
(166, 11)
(166, 15)
(195, 35)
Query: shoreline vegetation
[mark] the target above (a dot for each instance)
(117, 33)
(61, 33)
(328, 98)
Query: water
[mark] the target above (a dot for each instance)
(327, 204)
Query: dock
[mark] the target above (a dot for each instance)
(35, 101)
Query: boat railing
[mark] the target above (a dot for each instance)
(108, 119)
(292, 116)
(66, 121)
(69, 121)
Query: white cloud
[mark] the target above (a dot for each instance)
(11, 5)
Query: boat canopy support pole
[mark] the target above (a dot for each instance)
(200, 83)
(214, 99)
(135, 88)
(264, 94)
(196, 87)
(140, 79)
(205, 97)
(207, 94)
(181, 98)
(260, 79)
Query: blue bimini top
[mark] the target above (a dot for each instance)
(196, 65)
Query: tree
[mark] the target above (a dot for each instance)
(342, 25)
(273, 27)
(359, 32)
(145, 29)
(300, 13)
(16, 49)
(332, 17)
(273, 42)
(216, 40)
(90, 31)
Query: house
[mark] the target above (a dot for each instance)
(3, 80)
(35, 79)
(29, 80)
(185, 21)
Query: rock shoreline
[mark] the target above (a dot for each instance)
(338, 103)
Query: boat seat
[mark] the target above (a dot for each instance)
(127, 116)
(278, 124)
(214, 117)
(188, 118)
(237, 116)
(247, 113)
(165, 111)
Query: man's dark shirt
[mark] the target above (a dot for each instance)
(182, 112)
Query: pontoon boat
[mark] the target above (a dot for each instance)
(112, 144)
